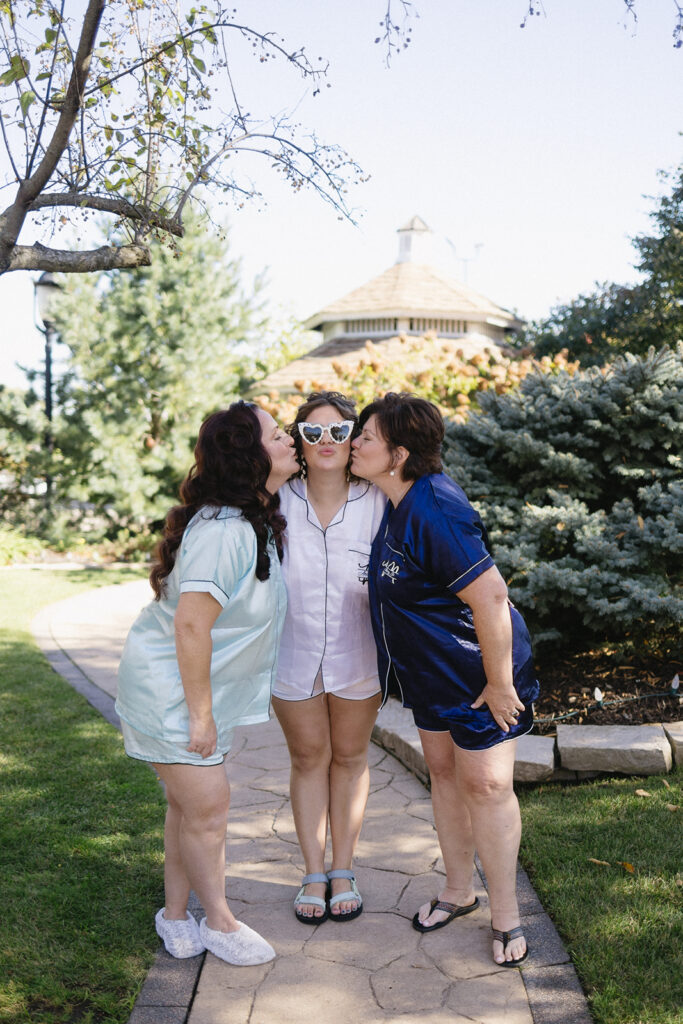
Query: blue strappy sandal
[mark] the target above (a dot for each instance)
(351, 894)
(316, 901)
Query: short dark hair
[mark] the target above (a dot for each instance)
(404, 420)
(346, 408)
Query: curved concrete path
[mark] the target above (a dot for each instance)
(376, 968)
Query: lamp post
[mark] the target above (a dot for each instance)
(46, 291)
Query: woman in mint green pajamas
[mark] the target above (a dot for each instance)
(199, 660)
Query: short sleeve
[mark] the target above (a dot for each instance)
(215, 555)
(455, 546)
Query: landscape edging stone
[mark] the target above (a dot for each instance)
(396, 733)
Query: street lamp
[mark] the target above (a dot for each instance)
(46, 292)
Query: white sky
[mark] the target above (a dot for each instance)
(530, 150)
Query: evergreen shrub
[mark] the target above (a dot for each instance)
(578, 479)
(15, 546)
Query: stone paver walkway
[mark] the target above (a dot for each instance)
(370, 970)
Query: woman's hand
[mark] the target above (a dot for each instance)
(488, 599)
(504, 705)
(194, 617)
(203, 736)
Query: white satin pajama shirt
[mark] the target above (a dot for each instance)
(327, 634)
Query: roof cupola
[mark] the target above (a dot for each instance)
(415, 242)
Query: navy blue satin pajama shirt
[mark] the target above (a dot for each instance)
(425, 551)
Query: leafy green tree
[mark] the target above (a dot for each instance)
(578, 478)
(594, 328)
(152, 352)
(661, 263)
(22, 455)
(618, 318)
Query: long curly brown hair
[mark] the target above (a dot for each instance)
(231, 468)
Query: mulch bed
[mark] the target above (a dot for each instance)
(567, 689)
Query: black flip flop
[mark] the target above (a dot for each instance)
(504, 937)
(451, 909)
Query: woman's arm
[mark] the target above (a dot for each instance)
(194, 617)
(487, 596)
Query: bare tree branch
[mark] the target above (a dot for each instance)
(72, 103)
(296, 57)
(46, 104)
(12, 220)
(7, 148)
(396, 35)
(106, 257)
(678, 27)
(108, 204)
(130, 121)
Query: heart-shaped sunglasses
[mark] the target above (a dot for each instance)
(312, 433)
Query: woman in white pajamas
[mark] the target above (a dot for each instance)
(327, 691)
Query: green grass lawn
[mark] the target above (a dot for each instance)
(623, 927)
(81, 831)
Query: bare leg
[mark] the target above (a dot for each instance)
(453, 824)
(176, 883)
(306, 726)
(351, 723)
(198, 798)
(486, 784)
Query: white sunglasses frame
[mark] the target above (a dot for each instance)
(326, 427)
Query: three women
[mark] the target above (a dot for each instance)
(445, 632)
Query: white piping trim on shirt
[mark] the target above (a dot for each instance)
(468, 571)
(391, 663)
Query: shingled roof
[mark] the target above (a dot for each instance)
(414, 289)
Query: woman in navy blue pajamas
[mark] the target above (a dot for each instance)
(459, 654)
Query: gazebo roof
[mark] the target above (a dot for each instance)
(413, 289)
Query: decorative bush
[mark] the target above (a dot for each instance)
(17, 547)
(578, 478)
(434, 368)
